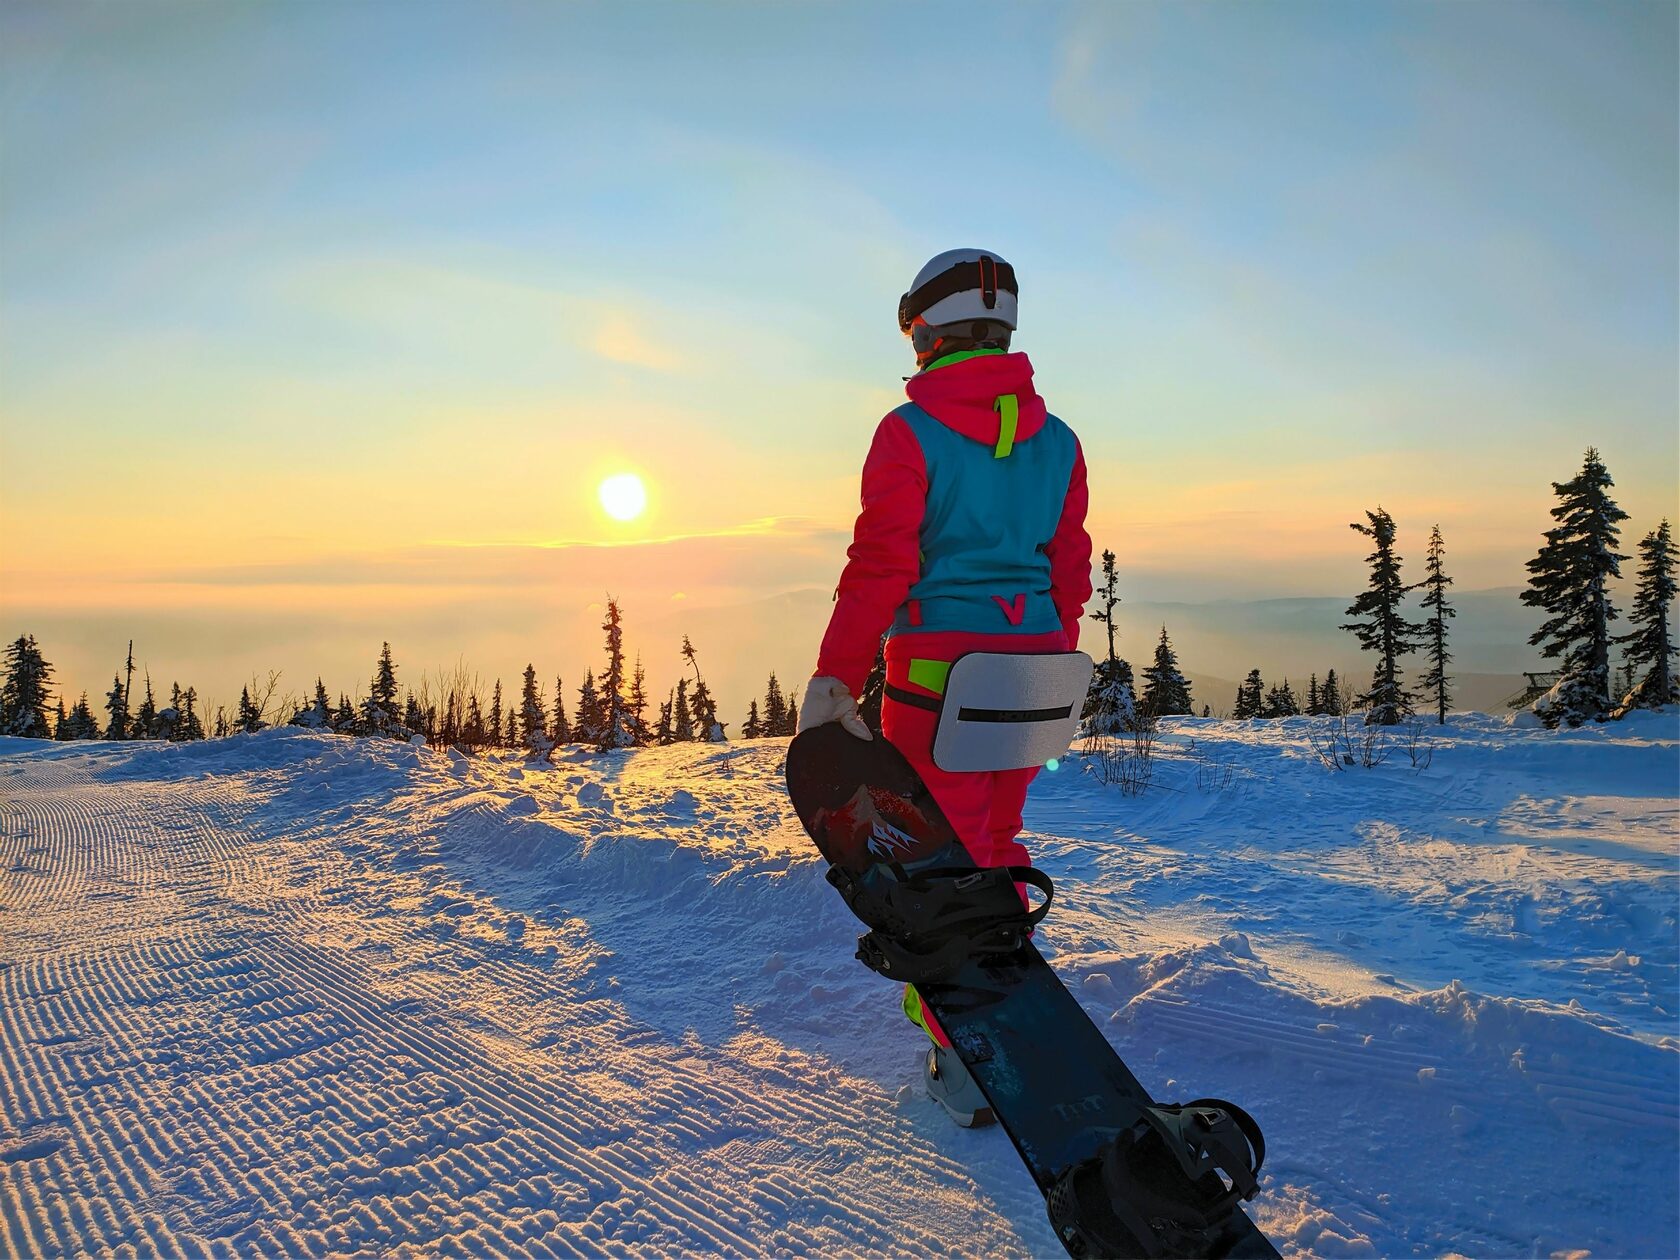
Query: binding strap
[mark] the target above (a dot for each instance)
(924, 926)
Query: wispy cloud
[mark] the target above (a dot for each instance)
(619, 338)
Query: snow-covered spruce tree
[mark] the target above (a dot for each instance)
(191, 726)
(1314, 704)
(665, 733)
(414, 717)
(1251, 697)
(775, 707)
(615, 732)
(533, 733)
(1111, 701)
(317, 714)
(454, 717)
(1165, 691)
(381, 715)
(23, 693)
(169, 717)
(1330, 696)
(249, 719)
(116, 704)
(791, 721)
(1651, 643)
(587, 727)
(472, 733)
(682, 717)
(146, 716)
(344, 719)
(1570, 578)
(559, 730)
(61, 727)
(638, 702)
(83, 725)
(1435, 629)
(1281, 702)
(1382, 628)
(707, 728)
(751, 729)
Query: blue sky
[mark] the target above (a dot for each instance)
(306, 272)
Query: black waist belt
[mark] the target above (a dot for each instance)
(933, 704)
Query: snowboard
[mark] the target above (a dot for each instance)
(1121, 1174)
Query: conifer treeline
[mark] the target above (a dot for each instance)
(26, 693)
(1569, 580)
(1329, 698)
(447, 710)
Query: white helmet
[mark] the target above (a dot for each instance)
(960, 285)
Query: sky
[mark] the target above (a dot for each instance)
(320, 324)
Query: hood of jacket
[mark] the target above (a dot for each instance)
(963, 395)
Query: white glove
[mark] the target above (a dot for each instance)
(827, 700)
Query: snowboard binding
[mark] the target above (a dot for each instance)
(926, 923)
(1168, 1186)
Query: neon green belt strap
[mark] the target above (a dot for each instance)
(930, 674)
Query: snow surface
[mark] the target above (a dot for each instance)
(300, 994)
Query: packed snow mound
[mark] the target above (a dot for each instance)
(303, 994)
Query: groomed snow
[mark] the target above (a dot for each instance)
(297, 994)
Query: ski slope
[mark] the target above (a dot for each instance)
(304, 995)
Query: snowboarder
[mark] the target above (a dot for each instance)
(971, 538)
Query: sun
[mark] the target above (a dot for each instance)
(623, 496)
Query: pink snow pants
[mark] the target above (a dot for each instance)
(984, 808)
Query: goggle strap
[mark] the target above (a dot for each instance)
(992, 276)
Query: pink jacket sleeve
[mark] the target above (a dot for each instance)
(1070, 554)
(883, 561)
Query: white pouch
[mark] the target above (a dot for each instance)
(1010, 710)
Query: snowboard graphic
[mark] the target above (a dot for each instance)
(1121, 1174)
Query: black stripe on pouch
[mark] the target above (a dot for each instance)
(966, 714)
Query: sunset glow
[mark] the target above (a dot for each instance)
(623, 496)
(625, 330)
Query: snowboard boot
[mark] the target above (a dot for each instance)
(948, 1081)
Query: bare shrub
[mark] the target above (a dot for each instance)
(1373, 748)
(1325, 745)
(1125, 759)
(1420, 750)
(1211, 775)
(262, 695)
(456, 693)
(1339, 743)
